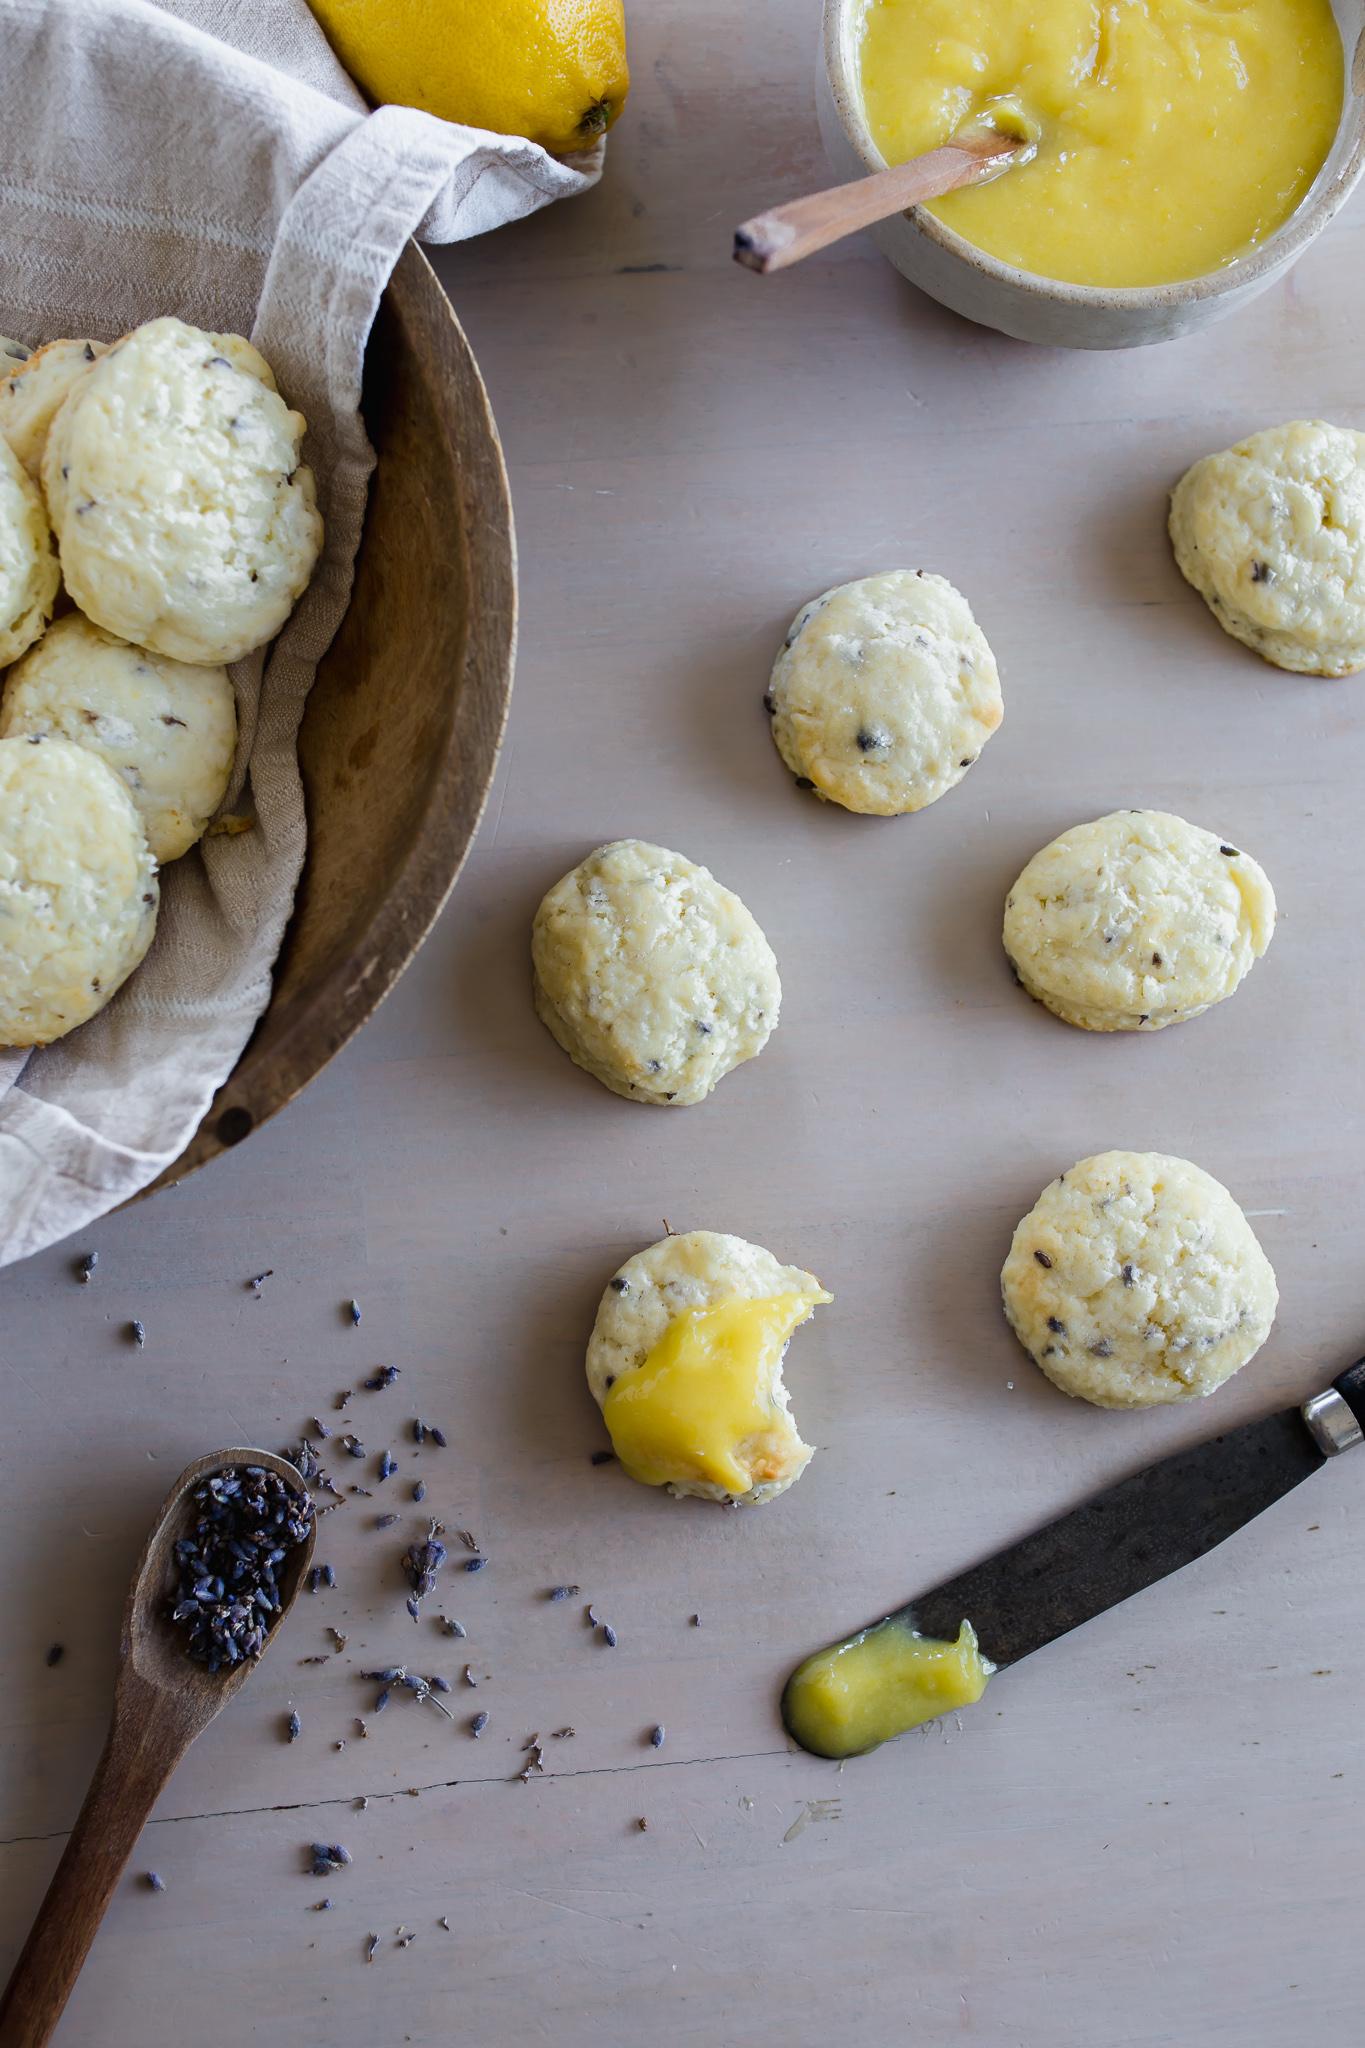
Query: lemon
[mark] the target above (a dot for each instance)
(552, 70)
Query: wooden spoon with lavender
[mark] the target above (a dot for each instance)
(190, 1641)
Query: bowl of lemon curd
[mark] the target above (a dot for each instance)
(1183, 153)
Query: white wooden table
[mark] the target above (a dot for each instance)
(1147, 1833)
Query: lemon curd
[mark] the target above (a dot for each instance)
(1174, 135)
(875, 1685)
(703, 1406)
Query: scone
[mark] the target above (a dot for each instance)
(168, 730)
(1271, 533)
(78, 893)
(653, 978)
(184, 519)
(1136, 921)
(29, 574)
(32, 392)
(884, 693)
(685, 1362)
(1135, 1279)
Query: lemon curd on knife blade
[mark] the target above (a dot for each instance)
(860, 1693)
(1174, 135)
(705, 1404)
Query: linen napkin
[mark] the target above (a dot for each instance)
(211, 159)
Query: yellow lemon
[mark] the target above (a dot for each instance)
(552, 70)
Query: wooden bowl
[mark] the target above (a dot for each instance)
(401, 732)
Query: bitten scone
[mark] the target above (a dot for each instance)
(653, 978)
(168, 730)
(1271, 533)
(32, 392)
(1136, 921)
(184, 519)
(78, 893)
(685, 1362)
(884, 693)
(1136, 1279)
(29, 574)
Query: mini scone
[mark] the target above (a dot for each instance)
(32, 392)
(1135, 1279)
(1271, 533)
(685, 1362)
(29, 573)
(167, 729)
(184, 518)
(884, 693)
(78, 891)
(1136, 921)
(653, 978)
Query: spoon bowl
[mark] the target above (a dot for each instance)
(163, 1698)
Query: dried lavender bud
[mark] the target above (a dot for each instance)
(385, 1377)
(314, 1578)
(247, 1521)
(469, 1677)
(387, 1676)
(87, 1265)
(437, 1437)
(478, 1724)
(381, 1702)
(475, 1564)
(562, 1592)
(453, 1628)
(609, 1635)
(293, 1727)
(406, 1941)
(388, 1464)
(320, 1428)
(419, 1492)
(385, 1521)
(137, 1333)
(155, 1882)
(466, 1537)
(327, 1857)
(441, 1684)
(419, 1432)
(413, 1682)
(55, 1654)
(353, 1310)
(657, 1738)
(353, 1447)
(321, 1905)
(258, 1280)
(329, 1577)
(696, 1621)
(603, 1457)
(413, 1605)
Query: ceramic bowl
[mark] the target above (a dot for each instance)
(403, 723)
(996, 294)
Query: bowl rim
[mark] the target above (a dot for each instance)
(1288, 242)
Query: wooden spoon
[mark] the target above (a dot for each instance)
(162, 1700)
(783, 235)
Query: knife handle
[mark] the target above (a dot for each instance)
(1351, 1387)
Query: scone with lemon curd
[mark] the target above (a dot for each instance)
(184, 518)
(884, 693)
(29, 573)
(1135, 1279)
(168, 730)
(1137, 920)
(1271, 533)
(653, 978)
(32, 392)
(685, 1362)
(78, 893)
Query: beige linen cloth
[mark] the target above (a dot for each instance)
(211, 159)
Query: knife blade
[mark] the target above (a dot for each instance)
(1118, 1543)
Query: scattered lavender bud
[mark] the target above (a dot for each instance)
(444, 1922)
(419, 1431)
(466, 1537)
(374, 1943)
(437, 1437)
(329, 1577)
(340, 1742)
(563, 1592)
(453, 1628)
(388, 1676)
(609, 1635)
(293, 1727)
(407, 1941)
(258, 1280)
(475, 1564)
(353, 1310)
(320, 1428)
(441, 1684)
(320, 1906)
(413, 1681)
(413, 1607)
(382, 1701)
(87, 1266)
(314, 1579)
(55, 1654)
(657, 1738)
(385, 1521)
(137, 1333)
(385, 1377)
(469, 1677)
(696, 1621)
(478, 1724)
(154, 1882)
(388, 1464)
(353, 1447)
(419, 1492)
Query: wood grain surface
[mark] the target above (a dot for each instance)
(1149, 1832)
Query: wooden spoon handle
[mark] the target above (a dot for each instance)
(783, 235)
(139, 1756)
